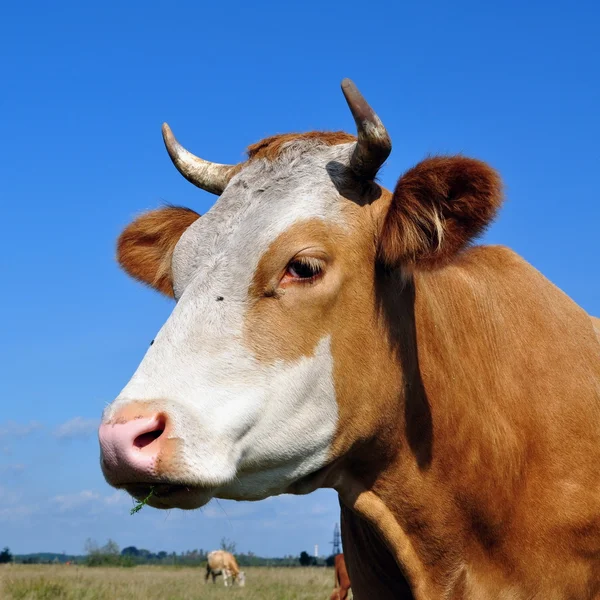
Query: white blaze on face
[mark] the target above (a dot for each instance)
(247, 429)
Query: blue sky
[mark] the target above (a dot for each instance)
(85, 88)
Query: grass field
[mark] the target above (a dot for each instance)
(58, 582)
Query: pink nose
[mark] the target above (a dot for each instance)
(130, 449)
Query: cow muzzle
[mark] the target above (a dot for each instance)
(139, 454)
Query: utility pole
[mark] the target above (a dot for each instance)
(337, 547)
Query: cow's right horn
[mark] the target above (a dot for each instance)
(209, 176)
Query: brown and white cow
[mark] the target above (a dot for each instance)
(341, 580)
(330, 333)
(221, 562)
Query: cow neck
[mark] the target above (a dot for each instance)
(389, 481)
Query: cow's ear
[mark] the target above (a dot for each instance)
(145, 248)
(438, 208)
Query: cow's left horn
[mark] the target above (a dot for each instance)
(374, 144)
(209, 176)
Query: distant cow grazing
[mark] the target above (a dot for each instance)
(328, 332)
(223, 563)
(341, 582)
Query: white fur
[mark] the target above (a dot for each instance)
(247, 429)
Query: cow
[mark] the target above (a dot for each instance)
(220, 562)
(330, 333)
(341, 582)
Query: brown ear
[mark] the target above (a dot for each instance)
(439, 207)
(145, 248)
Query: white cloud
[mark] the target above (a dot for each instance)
(11, 513)
(13, 505)
(320, 509)
(12, 429)
(12, 469)
(90, 502)
(82, 506)
(77, 427)
(70, 501)
(33, 519)
(117, 499)
(8, 496)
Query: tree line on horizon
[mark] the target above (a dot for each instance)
(5, 556)
(110, 554)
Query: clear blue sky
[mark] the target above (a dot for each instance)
(85, 87)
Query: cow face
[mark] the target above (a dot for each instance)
(247, 390)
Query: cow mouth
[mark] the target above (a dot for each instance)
(170, 495)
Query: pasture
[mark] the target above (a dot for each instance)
(60, 582)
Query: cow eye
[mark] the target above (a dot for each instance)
(304, 268)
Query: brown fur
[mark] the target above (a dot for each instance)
(439, 207)
(145, 248)
(596, 324)
(270, 148)
(269, 328)
(468, 445)
(496, 437)
(341, 583)
(452, 461)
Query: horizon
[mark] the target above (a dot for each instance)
(88, 87)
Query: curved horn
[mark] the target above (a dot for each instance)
(374, 144)
(209, 176)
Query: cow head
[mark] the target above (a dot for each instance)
(269, 369)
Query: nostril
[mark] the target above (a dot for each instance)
(141, 441)
(146, 438)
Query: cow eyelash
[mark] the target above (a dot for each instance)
(305, 268)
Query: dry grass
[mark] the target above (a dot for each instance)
(41, 582)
